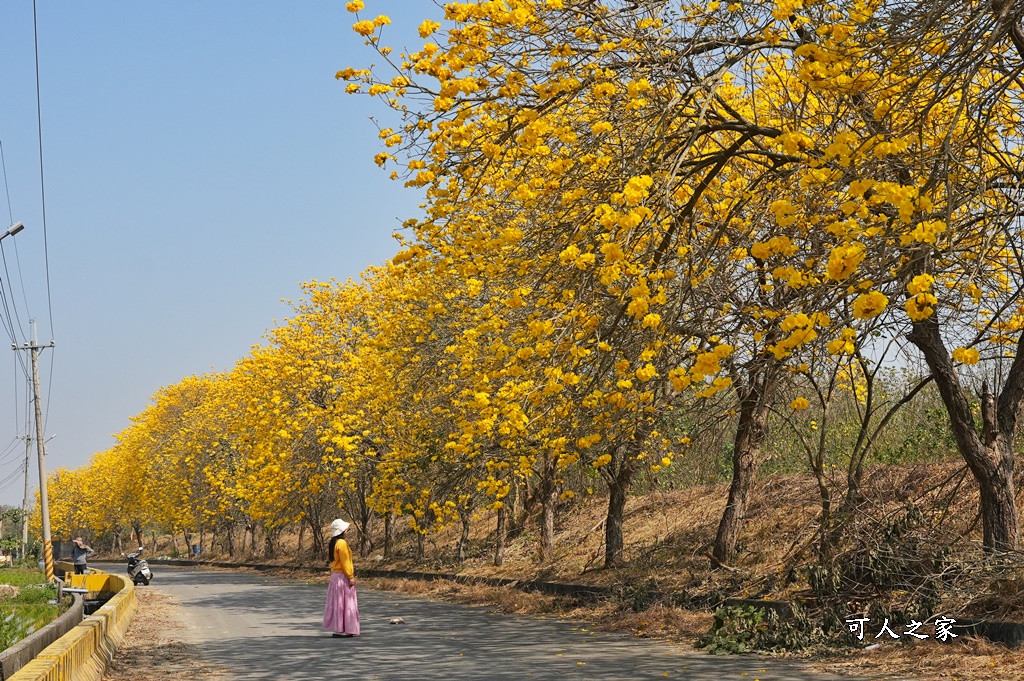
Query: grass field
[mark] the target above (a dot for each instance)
(32, 607)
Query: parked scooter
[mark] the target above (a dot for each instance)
(138, 568)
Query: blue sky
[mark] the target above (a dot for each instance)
(200, 161)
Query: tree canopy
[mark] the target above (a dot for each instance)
(632, 210)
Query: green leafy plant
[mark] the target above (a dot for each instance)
(744, 629)
(735, 630)
(18, 621)
(21, 576)
(33, 594)
(796, 631)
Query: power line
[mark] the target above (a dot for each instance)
(7, 451)
(13, 477)
(16, 395)
(15, 474)
(42, 180)
(8, 325)
(3, 161)
(46, 251)
(10, 481)
(21, 279)
(8, 321)
(14, 305)
(3, 253)
(28, 401)
(49, 387)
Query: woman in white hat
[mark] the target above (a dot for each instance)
(341, 614)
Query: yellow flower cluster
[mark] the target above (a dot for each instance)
(800, 328)
(921, 303)
(845, 344)
(843, 261)
(966, 355)
(868, 305)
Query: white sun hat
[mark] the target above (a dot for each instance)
(338, 527)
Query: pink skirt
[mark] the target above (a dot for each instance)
(341, 614)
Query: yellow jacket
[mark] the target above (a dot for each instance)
(342, 560)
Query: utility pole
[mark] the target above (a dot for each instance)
(24, 505)
(44, 504)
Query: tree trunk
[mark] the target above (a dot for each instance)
(499, 536)
(514, 497)
(363, 515)
(465, 515)
(421, 545)
(750, 436)
(318, 546)
(524, 502)
(366, 533)
(269, 543)
(825, 534)
(229, 539)
(251, 527)
(298, 549)
(998, 501)
(618, 493)
(548, 496)
(618, 475)
(988, 454)
(137, 530)
(389, 535)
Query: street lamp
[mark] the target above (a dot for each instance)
(13, 229)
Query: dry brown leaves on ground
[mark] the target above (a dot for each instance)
(970, 660)
(157, 645)
(673, 624)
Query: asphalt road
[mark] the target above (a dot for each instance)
(264, 628)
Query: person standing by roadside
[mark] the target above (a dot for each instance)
(341, 613)
(80, 553)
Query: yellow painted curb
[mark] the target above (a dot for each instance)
(67, 568)
(83, 653)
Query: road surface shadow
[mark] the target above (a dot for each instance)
(278, 637)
